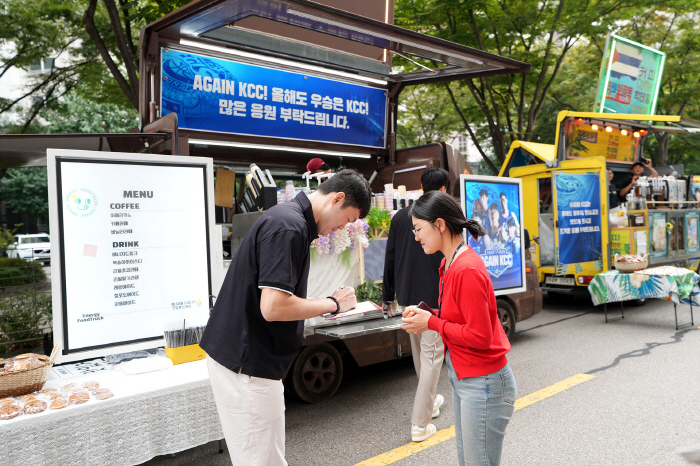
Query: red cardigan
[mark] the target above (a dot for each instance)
(469, 323)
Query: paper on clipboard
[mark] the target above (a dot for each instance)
(361, 308)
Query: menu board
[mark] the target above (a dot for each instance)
(134, 248)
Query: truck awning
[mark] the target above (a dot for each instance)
(234, 24)
(524, 153)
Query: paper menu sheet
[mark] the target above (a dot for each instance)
(640, 238)
(361, 308)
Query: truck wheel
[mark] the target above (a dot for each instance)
(507, 318)
(639, 302)
(317, 373)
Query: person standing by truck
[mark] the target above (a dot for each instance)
(256, 327)
(483, 385)
(636, 171)
(412, 276)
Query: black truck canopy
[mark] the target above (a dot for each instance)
(291, 35)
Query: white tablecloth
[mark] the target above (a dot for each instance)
(150, 414)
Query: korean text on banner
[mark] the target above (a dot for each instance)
(212, 94)
(496, 206)
(578, 217)
(630, 78)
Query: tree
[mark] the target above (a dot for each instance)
(542, 33)
(673, 29)
(426, 116)
(100, 38)
(77, 114)
(26, 190)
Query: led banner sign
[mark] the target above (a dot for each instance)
(212, 94)
(630, 77)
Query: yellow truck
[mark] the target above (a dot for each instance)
(567, 198)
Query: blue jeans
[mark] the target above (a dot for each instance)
(483, 407)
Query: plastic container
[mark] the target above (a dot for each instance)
(289, 191)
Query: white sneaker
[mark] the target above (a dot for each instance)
(419, 434)
(439, 400)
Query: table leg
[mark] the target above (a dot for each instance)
(689, 324)
(618, 317)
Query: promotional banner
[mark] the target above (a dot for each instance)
(578, 218)
(630, 77)
(584, 141)
(134, 246)
(212, 94)
(496, 206)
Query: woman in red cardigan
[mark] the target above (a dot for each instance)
(483, 386)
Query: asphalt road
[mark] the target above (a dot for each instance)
(640, 407)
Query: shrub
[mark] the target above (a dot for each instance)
(23, 316)
(14, 272)
(369, 291)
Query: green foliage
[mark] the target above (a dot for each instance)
(23, 317)
(563, 41)
(427, 115)
(378, 219)
(369, 291)
(7, 238)
(26, 190)
(15, 272)
(77, 114)
(32, 30)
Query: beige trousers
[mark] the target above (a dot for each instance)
(251, 411)
(428, 353)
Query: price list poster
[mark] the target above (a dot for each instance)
(134, 244)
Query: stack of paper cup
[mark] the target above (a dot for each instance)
(389, 196)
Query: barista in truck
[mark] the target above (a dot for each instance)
(636, 171)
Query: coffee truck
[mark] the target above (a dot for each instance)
(274, 84)
(567, 209)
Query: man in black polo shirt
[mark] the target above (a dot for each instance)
(413, 276)
(256, 327)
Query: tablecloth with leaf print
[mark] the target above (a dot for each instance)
(613, 286)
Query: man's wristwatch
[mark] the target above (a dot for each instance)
(337, 305)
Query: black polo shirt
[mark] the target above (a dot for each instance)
(408, 271)
(274, 254)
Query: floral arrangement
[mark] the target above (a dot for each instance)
(343, 240)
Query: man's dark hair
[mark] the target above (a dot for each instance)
(325, 166)
(356, 189)
(493, 206)
(433, 179)
(510, 222)
(697, 190)
(483, 192)
(635, 164)
(503, 195)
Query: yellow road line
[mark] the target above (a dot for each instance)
(440, 436)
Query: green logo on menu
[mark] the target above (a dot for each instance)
(81, 202)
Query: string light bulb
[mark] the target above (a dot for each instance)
(636, 134)
(594, 127)
(624, 132)
(608, 129)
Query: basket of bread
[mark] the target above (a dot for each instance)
(25, 373)
(630, 262)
